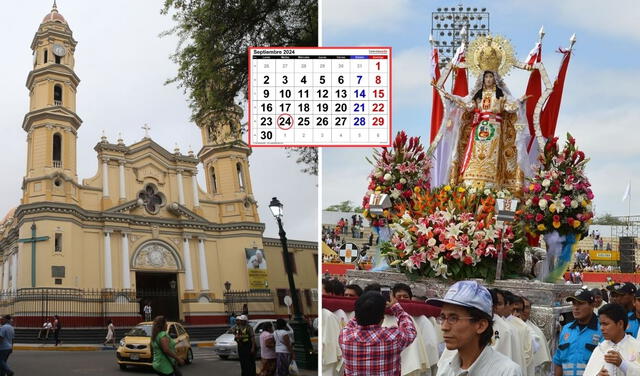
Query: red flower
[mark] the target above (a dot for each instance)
(539, 217)
(468, 260)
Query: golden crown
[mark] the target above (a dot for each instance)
(489, 58)
(490, 53)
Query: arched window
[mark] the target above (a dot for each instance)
(214, 181)
(57, 150)
(46, 55)
(240, 176)
(57, 95)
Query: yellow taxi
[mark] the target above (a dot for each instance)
(135, 347)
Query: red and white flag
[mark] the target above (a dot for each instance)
(534, 89)
(437, 108)
(549, 117)
(460, 85)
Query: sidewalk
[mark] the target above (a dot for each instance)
(83, 347)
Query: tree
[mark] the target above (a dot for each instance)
(214, 36)
(608, 219)
(344, 206)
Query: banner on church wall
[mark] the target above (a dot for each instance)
(256, 268)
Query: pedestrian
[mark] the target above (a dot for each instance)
(618, 354)
(246, 341)
(43, 334)
(284, 349)
(577, 338)
(232, 319)
(164, 349)
(147, 311)
(367, 347)
(467, 327)
(111, 335)
(6, 345)
(267, 352)
(57, 328)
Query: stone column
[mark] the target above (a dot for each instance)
(108, 283)
(126, 278)
(123, 193)
(202, 260)
(194, 184)
(188, 274)
(5, 274)
(105, 177)
(180, 187)
(14, 271)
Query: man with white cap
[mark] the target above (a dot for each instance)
(246, 346)
(466, 323)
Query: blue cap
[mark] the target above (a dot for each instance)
(466, 294)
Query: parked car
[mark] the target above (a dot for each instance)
(225, 345)
(135, 347)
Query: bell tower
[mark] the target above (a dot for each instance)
(52, 123)
(225, 158)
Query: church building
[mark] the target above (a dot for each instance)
(141, 230)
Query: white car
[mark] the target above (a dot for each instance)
(226, 346)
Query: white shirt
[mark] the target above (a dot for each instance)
(542, 355)
(502, 334)
(490, 362)
(629, 349)
(523, 348)
(278, 336)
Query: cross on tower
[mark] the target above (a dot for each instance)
(33, 239)
(146, 130)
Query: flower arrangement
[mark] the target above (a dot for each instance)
(559, 196)
(448, 245)
(398, 172)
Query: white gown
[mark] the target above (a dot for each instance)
(629, 348)
(331, 353)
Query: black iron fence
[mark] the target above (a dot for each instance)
(31, 307)
(248, 301)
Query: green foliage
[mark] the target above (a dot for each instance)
(608, 219)
(212, 56)
(344, 206)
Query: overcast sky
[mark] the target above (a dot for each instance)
(600, 104)
(123, 64)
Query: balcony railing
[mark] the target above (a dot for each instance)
(57, 103)
(57, 164)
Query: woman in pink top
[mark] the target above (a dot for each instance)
(267, 352)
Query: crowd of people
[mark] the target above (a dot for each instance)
(480, 331)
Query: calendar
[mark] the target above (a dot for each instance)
(319, 96)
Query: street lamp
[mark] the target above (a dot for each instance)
(302, 342)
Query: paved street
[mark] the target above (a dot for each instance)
(103, 363)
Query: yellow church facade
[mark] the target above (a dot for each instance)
(142, 229)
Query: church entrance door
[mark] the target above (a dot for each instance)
(161, 291)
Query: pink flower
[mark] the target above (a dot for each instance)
(418, 259)
(539, 217)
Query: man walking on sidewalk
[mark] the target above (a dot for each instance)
(6, 345)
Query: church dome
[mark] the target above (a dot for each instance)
(54, 16)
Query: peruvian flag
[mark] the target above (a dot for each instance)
(534, 89)
(549, 117)
(460, 85)
(437, 108)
